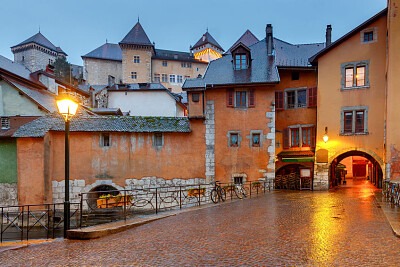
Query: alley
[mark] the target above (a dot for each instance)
(336, 228)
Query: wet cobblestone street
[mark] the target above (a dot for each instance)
(343, 227)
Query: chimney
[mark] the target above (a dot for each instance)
(328, 35)
(92, 97)
(269, 38)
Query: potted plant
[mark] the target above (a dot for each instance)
(108, 201)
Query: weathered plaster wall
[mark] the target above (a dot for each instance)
(8, 161)
(16, 104)
(8, 194)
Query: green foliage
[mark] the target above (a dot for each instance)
(62, 69)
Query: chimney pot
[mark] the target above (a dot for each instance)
(269, 38)
(328, 35)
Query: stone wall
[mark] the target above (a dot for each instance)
(96, 71)
(34, 59)
(210, 142)
(321, 176)
(8, 194)
(269, 175)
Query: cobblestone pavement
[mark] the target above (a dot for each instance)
(344, 227)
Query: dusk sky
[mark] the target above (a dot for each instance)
(81, 26)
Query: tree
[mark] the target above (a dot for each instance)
(62, 69)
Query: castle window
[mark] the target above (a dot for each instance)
(164, 78)
(156, 77)
(134, 75)
(23, 58)
(180, 79)
(183, 65)
(5, 123)
(187, 77)
(165, 63)
(172, 78)
(136, 59)
(105, 140)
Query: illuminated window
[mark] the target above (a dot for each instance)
(355, 75)
(240, 62)
(360, 76)
(349, 77)
(133, 75)
(164, 78)
(165, 63)
(136, 59)
(156, 77)
(172, 78)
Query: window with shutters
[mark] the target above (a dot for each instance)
(240, 98)
(354, 120)
(299, 136)
(294, 98)
(355, 75)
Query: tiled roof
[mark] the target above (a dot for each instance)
(207, 39)
(15, 68)
(15, 123)
(175, 55)
(137, 86)
(44, 99)
(97, 88)
(54, 122)
(295, 55)
(220, 71)
(106, 51)
(136, 36)
(41, 40)
(248, 39)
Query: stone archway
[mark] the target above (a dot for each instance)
(377, 165)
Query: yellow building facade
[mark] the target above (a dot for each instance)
(357, 106)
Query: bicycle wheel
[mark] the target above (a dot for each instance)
(214, 196)
(238, 192)
(222, 193)
(244, 192)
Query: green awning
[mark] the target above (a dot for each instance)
(298, 159)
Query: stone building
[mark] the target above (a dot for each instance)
(136, 60)
(36, 52)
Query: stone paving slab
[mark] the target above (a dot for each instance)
(392, 213)
(13, 245)
(98, 231)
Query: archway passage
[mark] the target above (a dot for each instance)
(355, 165)
(100, 191)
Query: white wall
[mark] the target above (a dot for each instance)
(145, 103)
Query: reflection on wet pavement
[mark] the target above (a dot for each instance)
(340, 227)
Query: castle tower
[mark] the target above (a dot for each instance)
(207, 49)
(36, 52)
(137, 51)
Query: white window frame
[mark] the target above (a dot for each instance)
(296, 97)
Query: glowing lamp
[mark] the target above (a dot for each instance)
(325, 137)
(67, 108)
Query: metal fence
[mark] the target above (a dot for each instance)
(44, 221)
(24, 222)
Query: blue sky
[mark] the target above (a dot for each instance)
(81, 26)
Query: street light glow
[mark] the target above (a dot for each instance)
(67, 108)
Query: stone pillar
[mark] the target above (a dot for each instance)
(269, 175)
(321, 176)
(210, 142)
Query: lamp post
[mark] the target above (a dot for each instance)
(325, 137)
(67, 108)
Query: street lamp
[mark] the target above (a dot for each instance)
(325, 137)
(67, 108)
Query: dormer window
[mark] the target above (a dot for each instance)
(240, 61)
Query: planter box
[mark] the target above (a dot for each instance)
(113, 202)
(196, 192)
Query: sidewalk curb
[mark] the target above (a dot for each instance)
(391, 213)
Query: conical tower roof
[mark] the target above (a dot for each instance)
(41, 40)
(207, 39)
(136, 36)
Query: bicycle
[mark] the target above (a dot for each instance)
(217, 193)
(240, 191)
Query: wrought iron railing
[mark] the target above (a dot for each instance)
(40, 221)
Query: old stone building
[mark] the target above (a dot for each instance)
(136, 60)
(36, 52)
